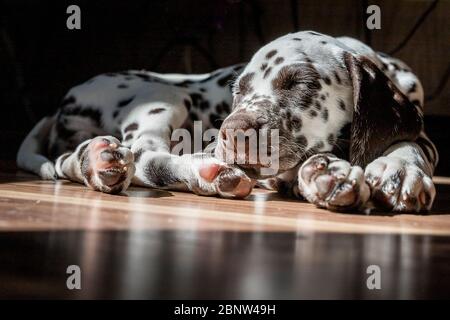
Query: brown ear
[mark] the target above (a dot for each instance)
(382, 115)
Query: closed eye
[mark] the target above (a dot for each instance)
(291, 84)
(295, 76)
(289, 77)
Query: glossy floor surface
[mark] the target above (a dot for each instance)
(164, 244)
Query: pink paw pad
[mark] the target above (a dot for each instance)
(110, 165)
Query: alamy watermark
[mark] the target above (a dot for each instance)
(373, 281)
(74, 19)
(373, 21)
(249, 147)
(73, 281)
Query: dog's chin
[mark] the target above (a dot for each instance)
(260, 173)
(255, 173)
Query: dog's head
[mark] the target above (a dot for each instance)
(309, 86)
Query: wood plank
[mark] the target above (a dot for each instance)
(29, 204)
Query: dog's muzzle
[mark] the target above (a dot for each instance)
(243, 140)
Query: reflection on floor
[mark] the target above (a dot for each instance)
(161, 244)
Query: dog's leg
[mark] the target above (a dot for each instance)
(401, 180)
(101, 163)
(200, 173)
(333, 183)
(285, 183)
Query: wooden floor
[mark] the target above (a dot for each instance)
(163, 244)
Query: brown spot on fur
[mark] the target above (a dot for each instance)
(412, 88)
(331, 139)
(81, 151)
(131, 127)
(226, 107)
(336, 76)
(267, 72)
(193, 116)
(222, 107)
(325, 114)
(296, 122)
(271, 53)
(156, 111)
(215, 120)
(244, 83)
(279, 60)
(125, 102)
(138, 154)
(301, 139)
(204, 105)
(263, 66)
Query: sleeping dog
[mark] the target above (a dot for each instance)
(349, 120)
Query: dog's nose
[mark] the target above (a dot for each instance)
(240, 121)
(238, 139)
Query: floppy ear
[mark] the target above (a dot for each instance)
(382, 114)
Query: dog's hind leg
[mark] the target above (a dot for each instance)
(31, 155)
(101, 163)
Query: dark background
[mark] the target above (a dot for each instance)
(40, 59)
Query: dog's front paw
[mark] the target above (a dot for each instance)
(332, 183)
(213, 177)
(107, 166)
(399, 186)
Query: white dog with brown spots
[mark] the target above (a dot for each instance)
(350, 125)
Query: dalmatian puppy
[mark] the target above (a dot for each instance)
(350, 122)
(115, 129)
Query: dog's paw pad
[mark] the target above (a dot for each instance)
(232, 182)
(107, 166)
(223, 180)
(332, 183)
(399, 186)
